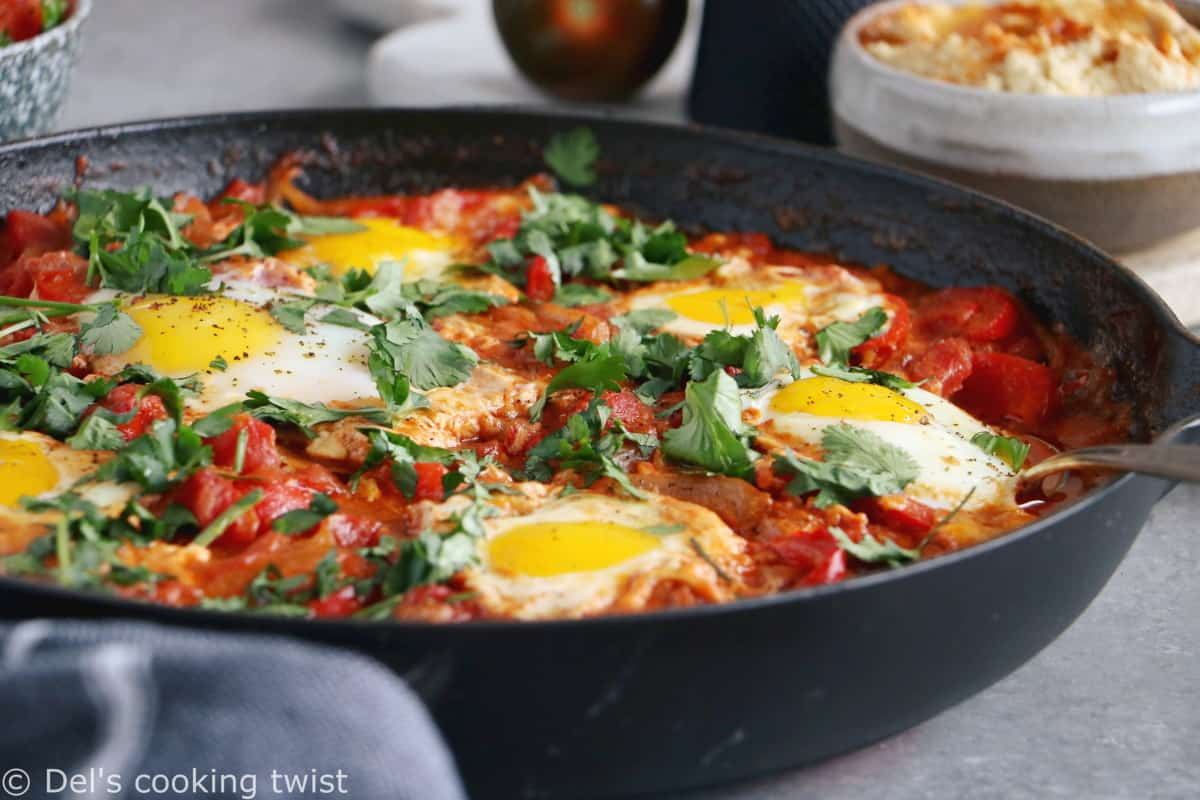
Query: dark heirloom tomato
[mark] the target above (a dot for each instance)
(590, 49)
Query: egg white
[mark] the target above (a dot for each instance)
(813, 297)
(950, 466)
(66, 466)
(683, 531)
(327, 363)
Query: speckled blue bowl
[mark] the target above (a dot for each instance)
(35, 74)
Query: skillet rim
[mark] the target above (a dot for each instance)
(129, 607)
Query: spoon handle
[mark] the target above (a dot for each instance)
(1176, 461)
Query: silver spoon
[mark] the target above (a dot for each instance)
(1175, 461)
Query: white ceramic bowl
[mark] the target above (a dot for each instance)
(1123, 171)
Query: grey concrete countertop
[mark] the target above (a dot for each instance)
(1110, 710)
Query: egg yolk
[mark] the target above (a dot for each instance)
(735, 306)
(182, 335)
(831, 397)
(24, 470)
(556, 548)
(383, 240)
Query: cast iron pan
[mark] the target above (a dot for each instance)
(666, 700)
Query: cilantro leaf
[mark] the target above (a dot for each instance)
(572, 155)
(759, 357)
(305, 519)
(588, 444)
(712, 434)
(645, 320)
(305, 416)
(404, 454)
(433, 299)
(158, 459)
(214, 529)
(857, 463)
(1007, 448)
(870, 550)
(219, 421)
(97, 433)
(110, 332)
(836, 340)
(600, 371)
(863, 375)
(579, 238)
(291, 315)
(580, 294)
(411, 349)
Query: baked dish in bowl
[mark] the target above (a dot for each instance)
(1079, 110)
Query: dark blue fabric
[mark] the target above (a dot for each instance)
(104, 699)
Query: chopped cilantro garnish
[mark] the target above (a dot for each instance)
(856, 463)
(304, 519)
(1008, 448)
(712, 434)
(870, 550)
(835, 341)
(572, 155)
(305, 416)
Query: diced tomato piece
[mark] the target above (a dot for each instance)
(206, 493)
(349, 531)
(278, 499)
(394, 206)
(341, 603)
(260, 445)
(901, 514)
(1008, 390)
(28, 233)
(877, 350)
(59, 276)
(239, 189)
(539, 280)
(318, 478)
(984, 314)
(124, 399)
(944, 367)
(429, 481)
(20, 19)
(630, 411)
(815, 555)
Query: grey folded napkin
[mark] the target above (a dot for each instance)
(129, 710)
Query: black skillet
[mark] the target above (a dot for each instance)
(668, 700)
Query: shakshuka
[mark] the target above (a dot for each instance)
(514, 403)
